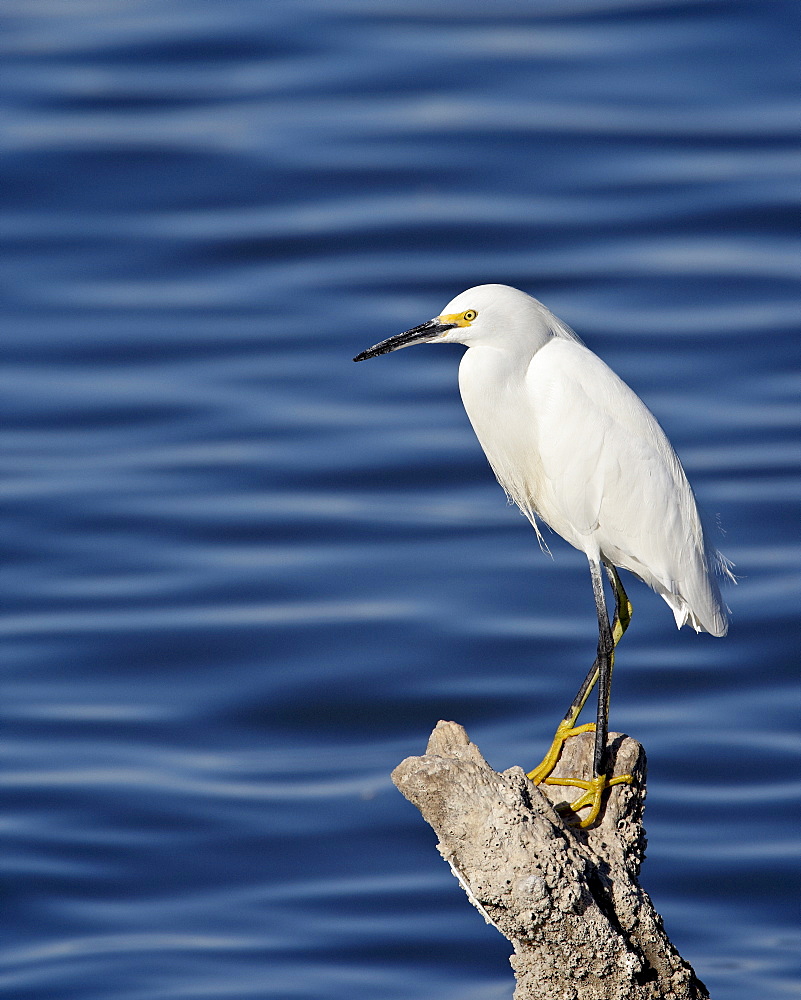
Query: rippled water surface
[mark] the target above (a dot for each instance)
(244, 577)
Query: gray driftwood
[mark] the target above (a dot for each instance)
(568, 899)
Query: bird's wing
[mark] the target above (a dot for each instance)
(611, 483)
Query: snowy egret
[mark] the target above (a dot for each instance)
(572, 445)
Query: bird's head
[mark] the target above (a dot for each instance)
(491, 315)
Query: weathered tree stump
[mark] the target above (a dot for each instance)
(568, 899)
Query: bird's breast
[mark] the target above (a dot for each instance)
(493, 394)
(492, 385)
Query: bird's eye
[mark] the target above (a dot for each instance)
(470, 315)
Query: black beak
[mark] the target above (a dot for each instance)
(418, 335)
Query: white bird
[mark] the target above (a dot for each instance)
(574, 446)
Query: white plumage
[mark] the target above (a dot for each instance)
(572, 444)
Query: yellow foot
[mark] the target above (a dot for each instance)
(563, 732)
(593, 789)
(593, 793)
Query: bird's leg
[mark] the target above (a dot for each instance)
(601, 669)
(623, 608)
(607, 640)
(606, 660)
(567, 728)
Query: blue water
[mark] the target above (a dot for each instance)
(245, 577)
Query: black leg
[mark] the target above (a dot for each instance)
(601, 673)
(605, 661)
(619, 626)
(623, 608)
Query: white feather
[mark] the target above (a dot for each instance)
(573, 445)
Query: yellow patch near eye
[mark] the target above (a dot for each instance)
(459, 319)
